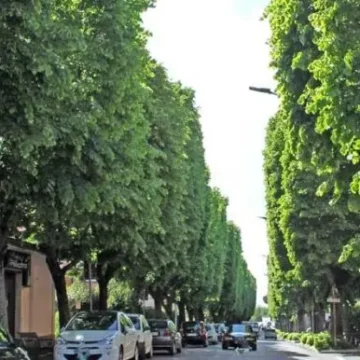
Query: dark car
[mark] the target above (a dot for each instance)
(194, 333)
(254, 325)
(8, 349)
(165, 336)
(239, 336)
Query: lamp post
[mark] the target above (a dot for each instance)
(262, 90)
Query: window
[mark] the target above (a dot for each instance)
(136, 322)
(94, 321)
(158, 324)
(129, 323)
(240, 328)
(145, 324)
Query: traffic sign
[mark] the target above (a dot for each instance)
(333, 300)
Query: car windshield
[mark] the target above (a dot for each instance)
(106, 321)
(158, 324)
(239, 328)
(136, 321)
(208, 328)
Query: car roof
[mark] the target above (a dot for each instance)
(97, 312)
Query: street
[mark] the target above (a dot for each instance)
(267, 350)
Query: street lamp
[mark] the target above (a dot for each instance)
(262, 217)
(262, 90)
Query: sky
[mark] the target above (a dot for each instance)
(218, 47)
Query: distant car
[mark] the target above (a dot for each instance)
(221, 331)
(145, 335)
(270, 334)
(211, 334)
(239, 336)
(254, 326)
(194, 334)
(165, 336)
(8, 349)
(98, 334)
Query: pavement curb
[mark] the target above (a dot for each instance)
(338, 353)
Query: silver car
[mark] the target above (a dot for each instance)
(145, 335)
(165, 336)
(211, 334)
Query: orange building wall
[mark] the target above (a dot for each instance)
(37, 307)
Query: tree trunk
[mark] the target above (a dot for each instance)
(104, 272)
(58, 276)
(181, 312)
(158, 301)
(4, 322)
(191, 314)
(201, 315)
(103, 292)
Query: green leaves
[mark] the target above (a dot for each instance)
(312, 151)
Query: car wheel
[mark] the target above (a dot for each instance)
(121, 353)
(254, 347)
(172, 350)
(136, 352)
(224, 346)
(150, 354)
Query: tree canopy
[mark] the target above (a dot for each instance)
(102, 161)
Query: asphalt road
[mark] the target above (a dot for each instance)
(267, 350)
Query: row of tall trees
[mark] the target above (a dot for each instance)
(102, 160)
(312, 157)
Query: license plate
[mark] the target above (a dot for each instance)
(191, 334)
(228, 338)
(155, 333)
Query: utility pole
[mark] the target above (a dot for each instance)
(262, 90)
(90, 286)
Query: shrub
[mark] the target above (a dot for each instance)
(303, 338)
(310, 340)
(296, 337)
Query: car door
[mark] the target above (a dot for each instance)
(132, 334)
(147, 334)
(128, 351)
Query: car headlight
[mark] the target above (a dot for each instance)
(108, 340)
(60, 341)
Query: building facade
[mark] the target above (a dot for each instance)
(30, 292)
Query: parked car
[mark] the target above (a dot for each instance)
(100, 334)
(194, 333)
(165, 336)
(270, 333)
(239, 336)
(254, 326)
(211, 334)
(221, 331)
(8, 349)
(145, 336)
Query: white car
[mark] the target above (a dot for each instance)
(212, 334)
(99, 335)
(145, 335)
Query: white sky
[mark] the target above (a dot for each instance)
(218, 48)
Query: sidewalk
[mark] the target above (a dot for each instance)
(351, 354)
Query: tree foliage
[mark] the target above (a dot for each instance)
(102, 160)
(310, 165)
